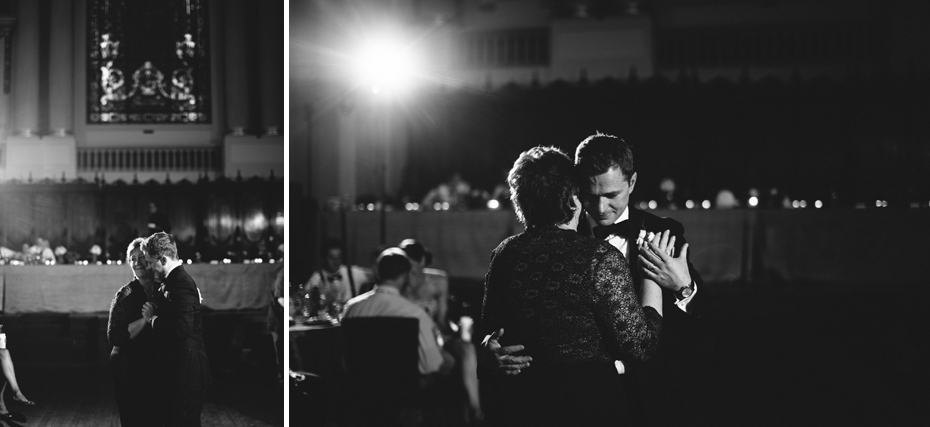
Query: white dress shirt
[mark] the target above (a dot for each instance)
(338, 282)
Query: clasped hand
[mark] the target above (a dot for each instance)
(659, 263)
(502, 357)
(148, 310)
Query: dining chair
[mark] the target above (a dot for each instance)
(382, 369)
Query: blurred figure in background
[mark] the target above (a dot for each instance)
(726, 200)
(668, 191)
(429, 289)
(455, 194)
(158, 221)
(9, 374)
(386, 300)
(335, 283)
(276, 318)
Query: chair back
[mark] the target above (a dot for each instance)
(382, 356)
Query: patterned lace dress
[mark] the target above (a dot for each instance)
(569, 300)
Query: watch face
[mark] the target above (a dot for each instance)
(685, 292)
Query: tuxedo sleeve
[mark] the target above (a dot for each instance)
(697, 304)
(177, 320)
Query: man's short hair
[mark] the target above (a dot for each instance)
(416, 251)
(600, 153)
(328, 244)
(541, 187)
(392, 263)
(159, 245)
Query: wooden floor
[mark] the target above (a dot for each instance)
(61, 364)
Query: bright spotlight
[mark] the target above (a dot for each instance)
(795, 204)
(818, 204)
(653, 204)
(705, 204)
(386, 65)
(803, 203)
(878, 203)
(493, 204)
(753, 201)
(689, 204)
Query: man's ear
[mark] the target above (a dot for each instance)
(632, 181)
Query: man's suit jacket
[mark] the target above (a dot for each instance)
(178, 333)
(665, 389)
(678, 328)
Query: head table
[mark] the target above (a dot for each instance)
(90, 288)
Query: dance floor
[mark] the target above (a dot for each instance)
(62, 364)
(790, 353)
(799, 354)
(803, 354)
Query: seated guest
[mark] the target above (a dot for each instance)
(386, 300)
(334, 281)
(9, 374)
(429, 289)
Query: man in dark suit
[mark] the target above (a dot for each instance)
(177, 326)
(604, 167)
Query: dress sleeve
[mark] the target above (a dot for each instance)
(632, 331)
(118, 323)
(489, 320)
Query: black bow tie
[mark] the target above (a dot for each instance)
(334, 278)
(621, 229)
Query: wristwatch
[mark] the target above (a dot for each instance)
(685, 291)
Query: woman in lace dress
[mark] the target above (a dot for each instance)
(132, 357)
(569, 300)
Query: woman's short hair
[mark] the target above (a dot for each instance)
(135, 244)
(542, 186)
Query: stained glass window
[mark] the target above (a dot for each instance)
(148, 62)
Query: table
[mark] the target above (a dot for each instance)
(857, 247)
(317, 349)
(90, 288)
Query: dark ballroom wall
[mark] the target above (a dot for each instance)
(79, 215)
(862, 137)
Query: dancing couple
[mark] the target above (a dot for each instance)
(159, 363)
(583, 315)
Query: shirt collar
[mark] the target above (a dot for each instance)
(386, 290)
(624, 216)
(172, 269)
